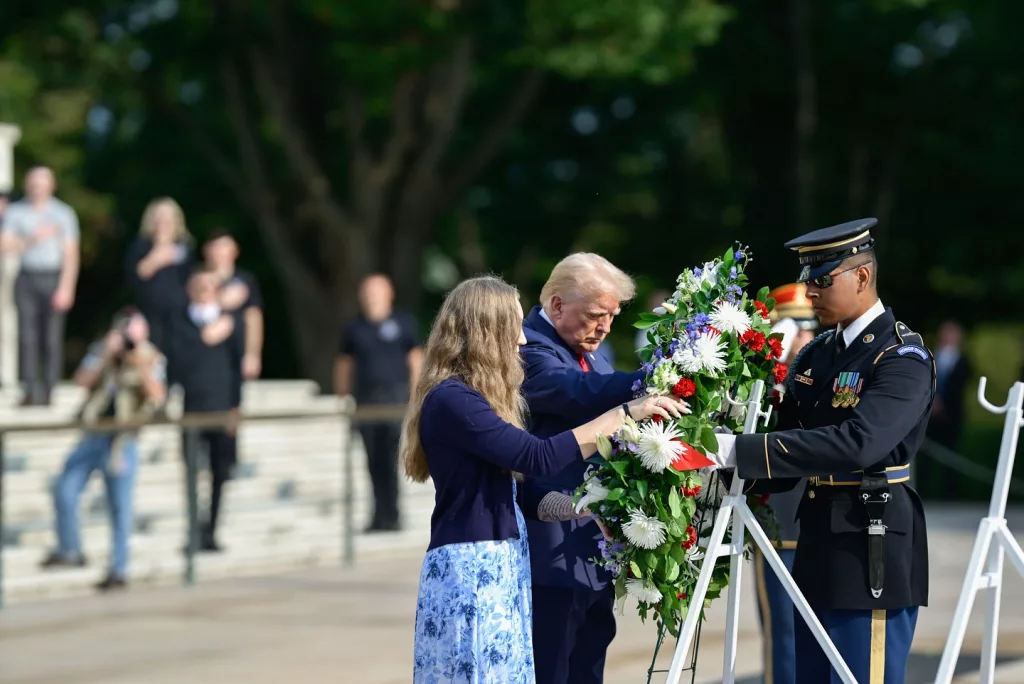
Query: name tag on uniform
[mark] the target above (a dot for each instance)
(804, 379)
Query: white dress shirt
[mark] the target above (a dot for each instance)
(860, 325)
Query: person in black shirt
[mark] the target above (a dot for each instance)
(157, 265)
(209, 348)
(379, 358)
(240, 293)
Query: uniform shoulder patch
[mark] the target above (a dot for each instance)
(913, 349)
(908, 336)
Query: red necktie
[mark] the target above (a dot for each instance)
(583, 363)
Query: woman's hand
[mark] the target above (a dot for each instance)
(604, 530)
(654, 405)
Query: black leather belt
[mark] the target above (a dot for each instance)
(874, 492)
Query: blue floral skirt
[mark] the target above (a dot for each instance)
(474, 614)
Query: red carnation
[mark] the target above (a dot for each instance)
(776, 397)
(691, 537)
(656, 418)
(762, 308)
(774, 348)
(684, 388)
(781, 370)
(714, 330)
(691, 492)
(681, 596)
(753, 339)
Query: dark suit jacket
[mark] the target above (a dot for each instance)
(562, 396)
(945, 427)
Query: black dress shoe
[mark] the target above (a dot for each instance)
(112, 582)
(56, 560)
(388, 526)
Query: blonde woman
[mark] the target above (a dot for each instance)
(158, 265)
(465, 430)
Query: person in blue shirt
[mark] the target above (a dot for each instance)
(465, 430)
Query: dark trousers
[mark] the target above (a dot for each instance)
(40, 333)
(222, 453)
(381, 443)
(572, 629)
(777, 614)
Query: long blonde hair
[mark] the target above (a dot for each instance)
(474, 339)
(148, 223)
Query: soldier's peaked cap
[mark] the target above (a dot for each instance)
(822, 250)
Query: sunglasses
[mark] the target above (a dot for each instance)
(828, 280)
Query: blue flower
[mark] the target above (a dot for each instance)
(740, 256)
(697, 272)
(732, 272)
(633, 447)
(648, 368)
(637, 384)
(701, 319)
(673, 347)
(658, 354)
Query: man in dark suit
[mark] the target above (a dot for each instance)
(853, 416)
(568, 383)
(952, 373)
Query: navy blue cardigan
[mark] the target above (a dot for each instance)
(468, 448)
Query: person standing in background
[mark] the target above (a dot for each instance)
(157, 265)
(793, 316)
(240, 294)
(379, 359)
(44, 231)
(952, 373)
(208, 349)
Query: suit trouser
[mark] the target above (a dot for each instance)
(40, 332)
(381, 443)
(222, 454)
(777, 615)
(572, 629)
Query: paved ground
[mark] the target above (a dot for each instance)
(356, 626)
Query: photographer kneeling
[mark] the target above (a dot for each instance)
(126, 378)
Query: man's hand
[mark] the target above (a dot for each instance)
(234, 296)
(44, 232)
(251, 366)
(113, 344)
(63, 299)
(726, 456)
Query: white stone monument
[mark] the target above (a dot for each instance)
(9, 136)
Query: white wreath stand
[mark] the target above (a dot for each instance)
(734, 508)
(993, 540)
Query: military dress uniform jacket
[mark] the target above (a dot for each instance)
(844, 412)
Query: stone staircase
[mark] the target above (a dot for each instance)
(283, 511)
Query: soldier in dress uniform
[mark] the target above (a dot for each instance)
(854, 413)
(793, 316)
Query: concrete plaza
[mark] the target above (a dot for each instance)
(356, 625)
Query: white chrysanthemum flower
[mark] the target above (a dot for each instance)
(596, 492)
(630, 431)
(706, 353)
(643, 592)
(729, 317)
(658, 446)
(644, 532)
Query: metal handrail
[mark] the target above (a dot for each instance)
(190, 424)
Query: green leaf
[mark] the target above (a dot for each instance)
(671, 569)
(746, 372)
(762, 294)
(729, 258)
(616, 494)
(689, 507)
(708, 440)
(677, 553)
(641, 488)
(687, 422)
(619, 467)
(674, 503)
(635, 569)
(634, 496)
(644, 325)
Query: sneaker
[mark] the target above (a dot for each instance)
(58, 560)
(112, 582)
